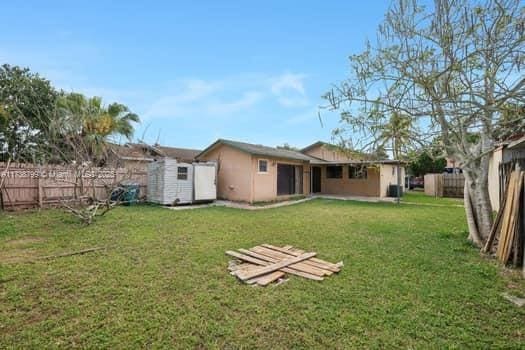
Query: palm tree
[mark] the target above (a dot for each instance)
(88, 123)
(397, 132)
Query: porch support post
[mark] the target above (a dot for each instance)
(398, 182)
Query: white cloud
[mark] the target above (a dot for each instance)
(247, 100)
(289, 90)
(288, 82)
(227, 96)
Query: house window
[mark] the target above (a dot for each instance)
(182, 173)
(357, 172)
(334, 172)
(263, 166)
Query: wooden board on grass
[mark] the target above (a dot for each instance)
(246, 275)
(276, 256)
(328, 265)
(244, 257)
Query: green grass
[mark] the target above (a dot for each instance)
(422, 198)
(410, 281)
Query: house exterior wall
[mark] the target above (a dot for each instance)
(238, 178)
(234, 175)
(389, 177)
(264, 186)
(351, 187)
(328, 153)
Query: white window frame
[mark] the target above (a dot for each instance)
(181, 173)
(259, 166)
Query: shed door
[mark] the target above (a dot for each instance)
(205, 185)
(285, 179)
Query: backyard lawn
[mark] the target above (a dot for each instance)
(410, 280)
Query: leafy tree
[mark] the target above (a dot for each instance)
(396, 133)
(288, 147)
(27, 105)
(512, 122)
(379, 153)
(451, 69)
(424, 163)
(80, 138)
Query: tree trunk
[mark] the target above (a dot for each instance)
(472, 222)
(477, 203)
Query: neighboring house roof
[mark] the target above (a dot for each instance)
(145, 152)
(182, 154)
(130, 152)
(259, 150)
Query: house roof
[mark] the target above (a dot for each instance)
(143, 151)
(351, 162)
(259, 150)
(318, 144)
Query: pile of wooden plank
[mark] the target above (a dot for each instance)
(508, 231)
(266, 263)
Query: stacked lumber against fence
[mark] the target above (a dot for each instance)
(508, 230)
(267, 263)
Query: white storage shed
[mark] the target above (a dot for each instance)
(172, 183)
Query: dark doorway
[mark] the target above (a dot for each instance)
(316, 179)
(285, 179)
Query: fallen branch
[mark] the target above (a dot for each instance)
(78, 252)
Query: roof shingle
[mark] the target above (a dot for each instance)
(260, 150)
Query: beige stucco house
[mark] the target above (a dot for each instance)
(254, 173)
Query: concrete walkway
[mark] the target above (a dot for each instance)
(239, 205)
(247, 206)
(355, 198)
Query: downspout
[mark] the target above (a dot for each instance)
(252, 177)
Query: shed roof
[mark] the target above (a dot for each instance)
(517, 143)
(259, 150)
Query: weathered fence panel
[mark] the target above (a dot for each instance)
(444, 185)
(434, 185)
(453, 185)
(31, 186)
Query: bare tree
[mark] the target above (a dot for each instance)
(451, 69)
(77, 139)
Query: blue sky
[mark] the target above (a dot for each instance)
(197, 71)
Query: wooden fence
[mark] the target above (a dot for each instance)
(444, 185)
(33, 186)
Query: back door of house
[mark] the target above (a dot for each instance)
(316, 179)
(285, 179)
